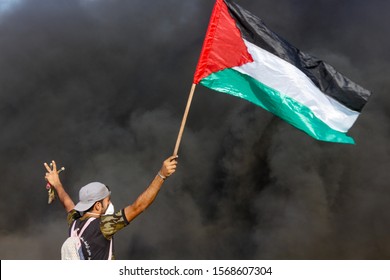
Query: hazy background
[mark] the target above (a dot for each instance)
(100, 86)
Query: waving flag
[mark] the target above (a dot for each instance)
(244, 58)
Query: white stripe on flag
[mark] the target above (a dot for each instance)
(290, 81)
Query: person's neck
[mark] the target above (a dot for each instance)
(92, 214)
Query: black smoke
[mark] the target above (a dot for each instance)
(101, 85)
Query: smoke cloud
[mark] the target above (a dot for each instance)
(101, 86)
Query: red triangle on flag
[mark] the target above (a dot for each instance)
(223, 46)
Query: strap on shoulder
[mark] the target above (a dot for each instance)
(86, 225)
(73, 231)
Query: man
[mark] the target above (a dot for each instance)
(95, 206)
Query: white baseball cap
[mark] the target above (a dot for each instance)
(89, 194)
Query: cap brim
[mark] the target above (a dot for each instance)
(83, 206)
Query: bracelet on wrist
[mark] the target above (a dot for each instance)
(161, 176)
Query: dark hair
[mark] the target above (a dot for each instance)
(90, 208)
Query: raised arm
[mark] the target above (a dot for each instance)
(148, 196)
(54, 180)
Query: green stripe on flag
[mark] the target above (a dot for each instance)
(240, 85)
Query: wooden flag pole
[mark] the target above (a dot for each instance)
(184, 120)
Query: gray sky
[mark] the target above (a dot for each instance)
(101, 86)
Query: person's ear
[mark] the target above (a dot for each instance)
(98, 206)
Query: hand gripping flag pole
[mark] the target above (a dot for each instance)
(239, 57)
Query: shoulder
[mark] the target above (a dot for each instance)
(110, 224)
(72, 216)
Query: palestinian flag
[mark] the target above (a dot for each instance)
(242, 57)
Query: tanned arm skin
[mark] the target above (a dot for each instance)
(131, 211)
(148, 196)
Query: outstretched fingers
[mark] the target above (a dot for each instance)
(52, 167)
(51, 175)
